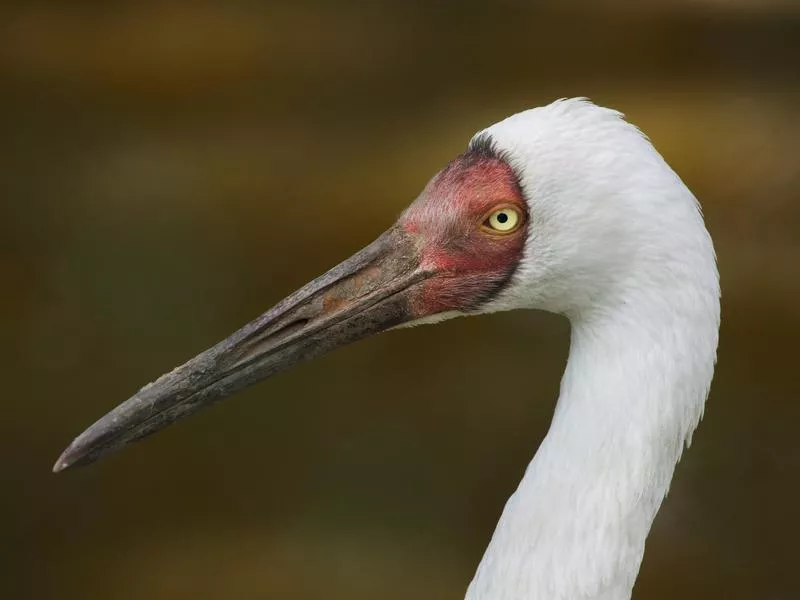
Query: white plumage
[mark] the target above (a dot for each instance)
(618, 245)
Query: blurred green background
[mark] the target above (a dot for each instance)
(170, 170)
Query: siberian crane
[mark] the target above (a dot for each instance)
(565, 208)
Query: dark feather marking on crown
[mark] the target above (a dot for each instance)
(483, 146)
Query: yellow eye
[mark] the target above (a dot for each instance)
(503, 220)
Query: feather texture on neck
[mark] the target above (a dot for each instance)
(626, 257)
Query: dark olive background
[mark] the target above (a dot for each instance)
(170, 170)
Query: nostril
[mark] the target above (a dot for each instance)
(256, 345)
(287, 329)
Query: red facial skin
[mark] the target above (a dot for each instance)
(471, 262)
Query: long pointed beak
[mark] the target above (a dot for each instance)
(370, 292)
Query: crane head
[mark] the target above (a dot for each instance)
(565, 208)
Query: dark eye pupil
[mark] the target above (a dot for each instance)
(502, 218)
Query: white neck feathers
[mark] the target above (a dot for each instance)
(632, 394)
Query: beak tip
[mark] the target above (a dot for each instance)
(60, 465)
(65, 461)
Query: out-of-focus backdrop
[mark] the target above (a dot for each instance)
(170, 170)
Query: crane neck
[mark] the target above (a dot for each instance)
(631, 396)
